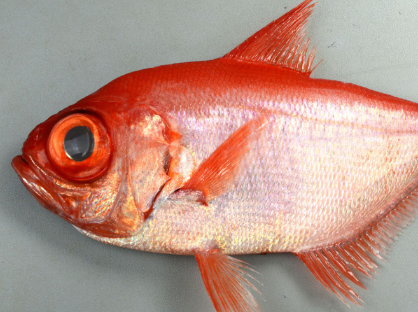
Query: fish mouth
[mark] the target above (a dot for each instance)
(30, 179)
(23, 169)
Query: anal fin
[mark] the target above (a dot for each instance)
(226, 281)
(337, 264)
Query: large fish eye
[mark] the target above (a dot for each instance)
(79, 147)
(79, 143)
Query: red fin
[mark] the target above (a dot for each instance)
(282, 42)
(332, 264)
(226, 281)
(216, 175)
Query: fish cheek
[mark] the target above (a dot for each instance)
(143, 178)
(107, 210)
(93, 202)
(141, 162)
(141, 173)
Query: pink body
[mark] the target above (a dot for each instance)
(333, 158)
(244, 154)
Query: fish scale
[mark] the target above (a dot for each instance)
(314, 185)
(245, 154)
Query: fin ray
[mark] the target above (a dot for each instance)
(227, 281)
(332, 264)
(217, 174)
(282, 42)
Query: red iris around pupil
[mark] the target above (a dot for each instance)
(79, 147)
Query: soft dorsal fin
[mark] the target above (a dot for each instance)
(281, 43)
(333, 265)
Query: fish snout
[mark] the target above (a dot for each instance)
(30, 179)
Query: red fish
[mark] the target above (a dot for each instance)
(245, 154)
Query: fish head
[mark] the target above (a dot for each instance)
(99, 164)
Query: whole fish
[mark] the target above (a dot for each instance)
(245, 154)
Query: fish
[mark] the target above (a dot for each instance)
(244, 154)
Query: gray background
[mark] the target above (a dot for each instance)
(53, 53)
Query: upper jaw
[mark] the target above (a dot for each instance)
(30, 178)
(24, 170)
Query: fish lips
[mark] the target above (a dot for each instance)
(30, 179)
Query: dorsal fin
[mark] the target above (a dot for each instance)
(281, 43)
(331, 264)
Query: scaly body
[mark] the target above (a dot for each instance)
(239, 155)
(328, 164)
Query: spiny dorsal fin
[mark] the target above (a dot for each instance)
(332, 264)
(227, 281)
(281, 43)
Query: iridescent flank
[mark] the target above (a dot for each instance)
(244, 154)
(322, 170)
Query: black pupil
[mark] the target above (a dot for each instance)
(79, 143)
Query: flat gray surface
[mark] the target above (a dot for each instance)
(54, 52)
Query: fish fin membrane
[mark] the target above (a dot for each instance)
(217, 174)
(227, 281)
(336, 265)
(281, 43)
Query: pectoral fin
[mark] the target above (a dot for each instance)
(217, 174)
(226, 281)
